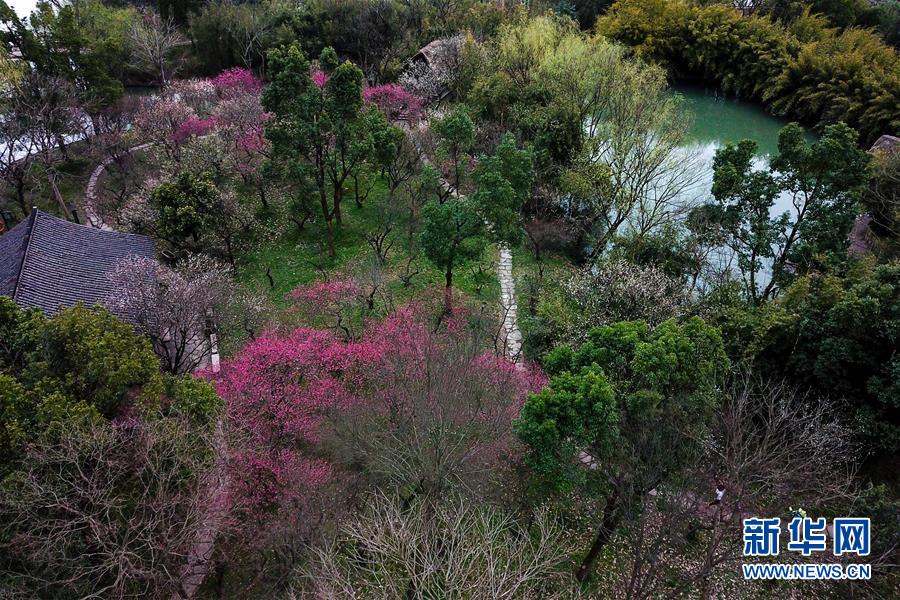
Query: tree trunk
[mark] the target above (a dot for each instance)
(326, 213)
(709, 556)
(229, 252)
(220, 580)
(338, 196)
(329, 236)
(604, 533)
(63, 149)
(20, 197)
(356, 190)
(448, 290)
(262, 193)
(301, 223)
(57, 196)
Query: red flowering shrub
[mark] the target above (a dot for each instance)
(394, 101)
(194, 127)
(237, 80)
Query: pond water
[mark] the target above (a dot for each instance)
(719, 120)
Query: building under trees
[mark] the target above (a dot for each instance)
(50, 263)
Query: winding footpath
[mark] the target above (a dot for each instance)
(89, 205)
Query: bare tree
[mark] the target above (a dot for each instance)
(155, 42)
(406, 163)
(422, 551)
(440, 419)
(104, 510)
(617, 290)
(372, 277)
(17, 151)
(117, 155)
(249, 29)
(770, 447)
(176, 308)
(48, 106)
(41, 117)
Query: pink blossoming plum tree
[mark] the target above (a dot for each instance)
(404, 405)
(278, 391)
(236, 81)
(394, 101)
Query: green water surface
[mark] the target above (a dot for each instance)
(719, 120)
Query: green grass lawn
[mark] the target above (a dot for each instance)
(557, 269)
(525, 267)
(299, 258)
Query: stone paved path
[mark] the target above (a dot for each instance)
(512, 336)
(90, 193)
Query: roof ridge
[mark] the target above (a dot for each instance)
(33, 218)
(91, 228)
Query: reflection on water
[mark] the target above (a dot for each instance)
(718, 121)
(722, 120)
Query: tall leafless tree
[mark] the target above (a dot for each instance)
(155, 43)
(426, 552)
(772, 447)
(17, 151)
(42, 117)
(635, 173)
(103, 510)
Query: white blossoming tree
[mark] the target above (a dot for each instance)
(621, 291)
(178, 309)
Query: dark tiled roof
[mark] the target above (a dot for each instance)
(12, 250)
(56, 263)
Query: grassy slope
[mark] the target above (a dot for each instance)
(295, 258)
